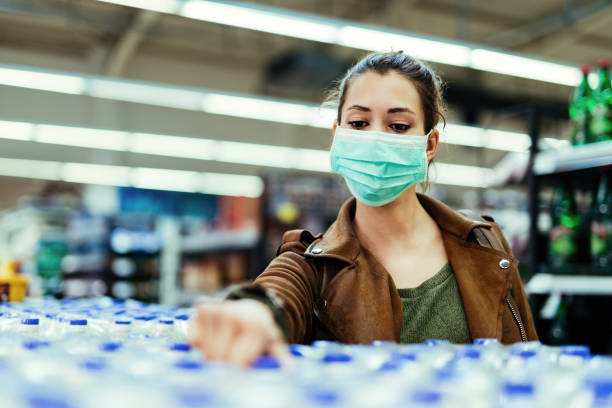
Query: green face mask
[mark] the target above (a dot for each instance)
(378, 166)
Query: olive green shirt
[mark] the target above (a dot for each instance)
(434, 310)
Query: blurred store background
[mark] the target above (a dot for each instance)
(157, 149)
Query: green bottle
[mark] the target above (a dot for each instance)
(563, 248)
(601, 227)
(559, 333)
(601, 105)
(579, 110)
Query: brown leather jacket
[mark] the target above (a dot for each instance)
(328, 287)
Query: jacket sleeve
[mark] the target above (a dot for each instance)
(288, 286)
(518, 292)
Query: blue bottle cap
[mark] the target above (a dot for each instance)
(296, 350)
(323, 397)
(189, 365)
(391, 365)
(93, 365)
(123, 322)
(468, 352)
(403, 355)
(30, 322)
(182, 317)
(436, 342)
(35, 344)
(144, 318)
(78, 322)
(337, 358)
(110, 346)
(578, 351)
(180, 347)
(517, 389)
(523, 353)
(426, 397)
(266, 363)
(196, 398)
(47, 401)
(163, 321)
(486, 342)
(602, 388)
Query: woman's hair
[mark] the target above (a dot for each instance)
(428, 84)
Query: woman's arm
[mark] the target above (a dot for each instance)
(260, 317)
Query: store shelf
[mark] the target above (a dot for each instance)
(573, 159)
(220, 240)
(543, 283)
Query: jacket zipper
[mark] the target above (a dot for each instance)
(517, 317)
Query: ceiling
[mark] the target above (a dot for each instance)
(94, 37)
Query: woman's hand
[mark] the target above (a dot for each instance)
(237, 331)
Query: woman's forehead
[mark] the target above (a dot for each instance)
(377, 91)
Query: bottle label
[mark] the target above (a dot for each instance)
(563, 242)
(601, 242)
(601, 121)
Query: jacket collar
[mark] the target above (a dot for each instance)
(340, 242)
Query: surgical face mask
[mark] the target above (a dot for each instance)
(378, 166)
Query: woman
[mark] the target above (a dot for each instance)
(396, 265)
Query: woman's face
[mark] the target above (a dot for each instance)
(387, 103)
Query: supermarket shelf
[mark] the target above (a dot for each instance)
(543, 283)
(573, 159)
(220, 240)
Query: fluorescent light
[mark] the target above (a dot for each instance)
(256, 154)
(120, 176)
(251, 17)
(257, 108)
(225, 184)
(174, 146)
(82, 137)
(96, 174)
(62, 83)
(29, 168)
(311, 159)
(146, 93)
(162, 6)
(361, 36)
(465, 135)
(161, 179)
(15, 130)
(460, 175)
(525, 67)
(431, 50)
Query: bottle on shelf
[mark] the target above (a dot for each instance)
(601, 105)
(579, 110)
(563, 239)
(559, 332)
(601, 227)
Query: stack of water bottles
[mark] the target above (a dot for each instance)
(96, 353)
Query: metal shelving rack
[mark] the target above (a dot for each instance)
(591, 293)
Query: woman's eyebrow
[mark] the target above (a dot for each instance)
(399, 110)
(360, 108)
(391, 110)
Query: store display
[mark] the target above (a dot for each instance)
(579, 110)
(601, 104)
(128, 354)
(601, 227)
(563, 247)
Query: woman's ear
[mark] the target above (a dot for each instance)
(432, 144)
(334, 128)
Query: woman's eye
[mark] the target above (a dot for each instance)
(358, 124)
(399, 127)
